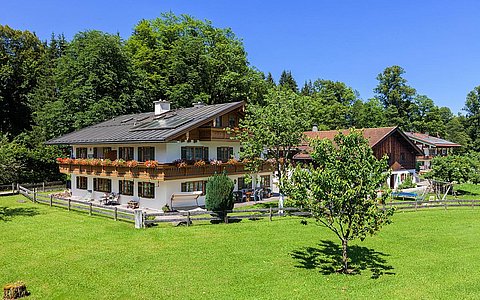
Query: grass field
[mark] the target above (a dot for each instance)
(430, 254)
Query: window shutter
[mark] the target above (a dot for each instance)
(183, 154)
(205, 153)
(152, 153)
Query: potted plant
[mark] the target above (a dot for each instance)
(199, 163)
(132, 163)
(151, 164)
(119, 163)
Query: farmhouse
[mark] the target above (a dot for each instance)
(390, 141)
(149, 157)
(432, 147)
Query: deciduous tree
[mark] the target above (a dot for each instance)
(20, 56)
(185, 60)
(340, 188)
(274, 130)
(396, 96)
(472, 107)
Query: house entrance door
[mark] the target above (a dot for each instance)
(392, 181)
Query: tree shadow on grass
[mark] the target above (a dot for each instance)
(328, 259)
(7, 213)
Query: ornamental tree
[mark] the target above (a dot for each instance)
(340, 188)
(219, 194)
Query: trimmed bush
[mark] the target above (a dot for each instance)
(219, 195)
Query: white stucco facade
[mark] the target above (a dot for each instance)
(164, 153)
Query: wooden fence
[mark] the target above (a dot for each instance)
(143, 219)
(116, 213)
(188, 217)
(13, 188)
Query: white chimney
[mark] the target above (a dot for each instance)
(315, 128)
(161, 106)
(199, 104)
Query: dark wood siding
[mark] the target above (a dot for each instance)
(401, 153)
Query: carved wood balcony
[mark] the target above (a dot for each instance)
(162, 172)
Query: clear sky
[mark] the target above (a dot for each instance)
(437, 42)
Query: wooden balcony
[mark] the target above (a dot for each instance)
(212, 134)
(162, 172)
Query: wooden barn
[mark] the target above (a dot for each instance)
(390, 141)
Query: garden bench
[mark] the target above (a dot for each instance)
(184, 200)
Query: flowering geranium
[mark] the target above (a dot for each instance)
(95, 162)
(106, 162)
(151, 164)
(132, 163)
(119, 163)
(232, 161)
(199, 163)
(64, 160)
(215, 162)
(82, 161)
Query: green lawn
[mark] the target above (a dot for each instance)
(430, 254)
(468, 188)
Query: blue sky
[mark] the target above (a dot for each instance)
(436, 42)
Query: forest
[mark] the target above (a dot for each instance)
(50, 88)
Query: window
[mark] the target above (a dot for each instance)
(402, 157)
(194, 186)
(194, 153)
(146, 190)
(265, 181)
(125, 153)
(224, 153)
(101, 152)
(243, 185)
(81, 153)
(232, 122)
(81, 183)
(218, 122)
(126, 187)
(102, 185)
(146, 153)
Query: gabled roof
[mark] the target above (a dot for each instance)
(430, 140)
(146, 127)
(374, 135)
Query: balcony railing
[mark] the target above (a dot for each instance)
(208, 134)
(161, 172)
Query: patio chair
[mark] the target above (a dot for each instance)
(113, 199)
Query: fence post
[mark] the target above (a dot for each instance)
(18, 187)
(188, 218)
(51, 200)
(90, 208)
(472, 203)
(115, 214)
(13, 188)
(270, 215)
(416, 205)
(69, 204)
(445, 205)
(43, 186)
(225, 217)
(138, 218)
(34, 195)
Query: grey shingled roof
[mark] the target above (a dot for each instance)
(124, 129)
(431, 140)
